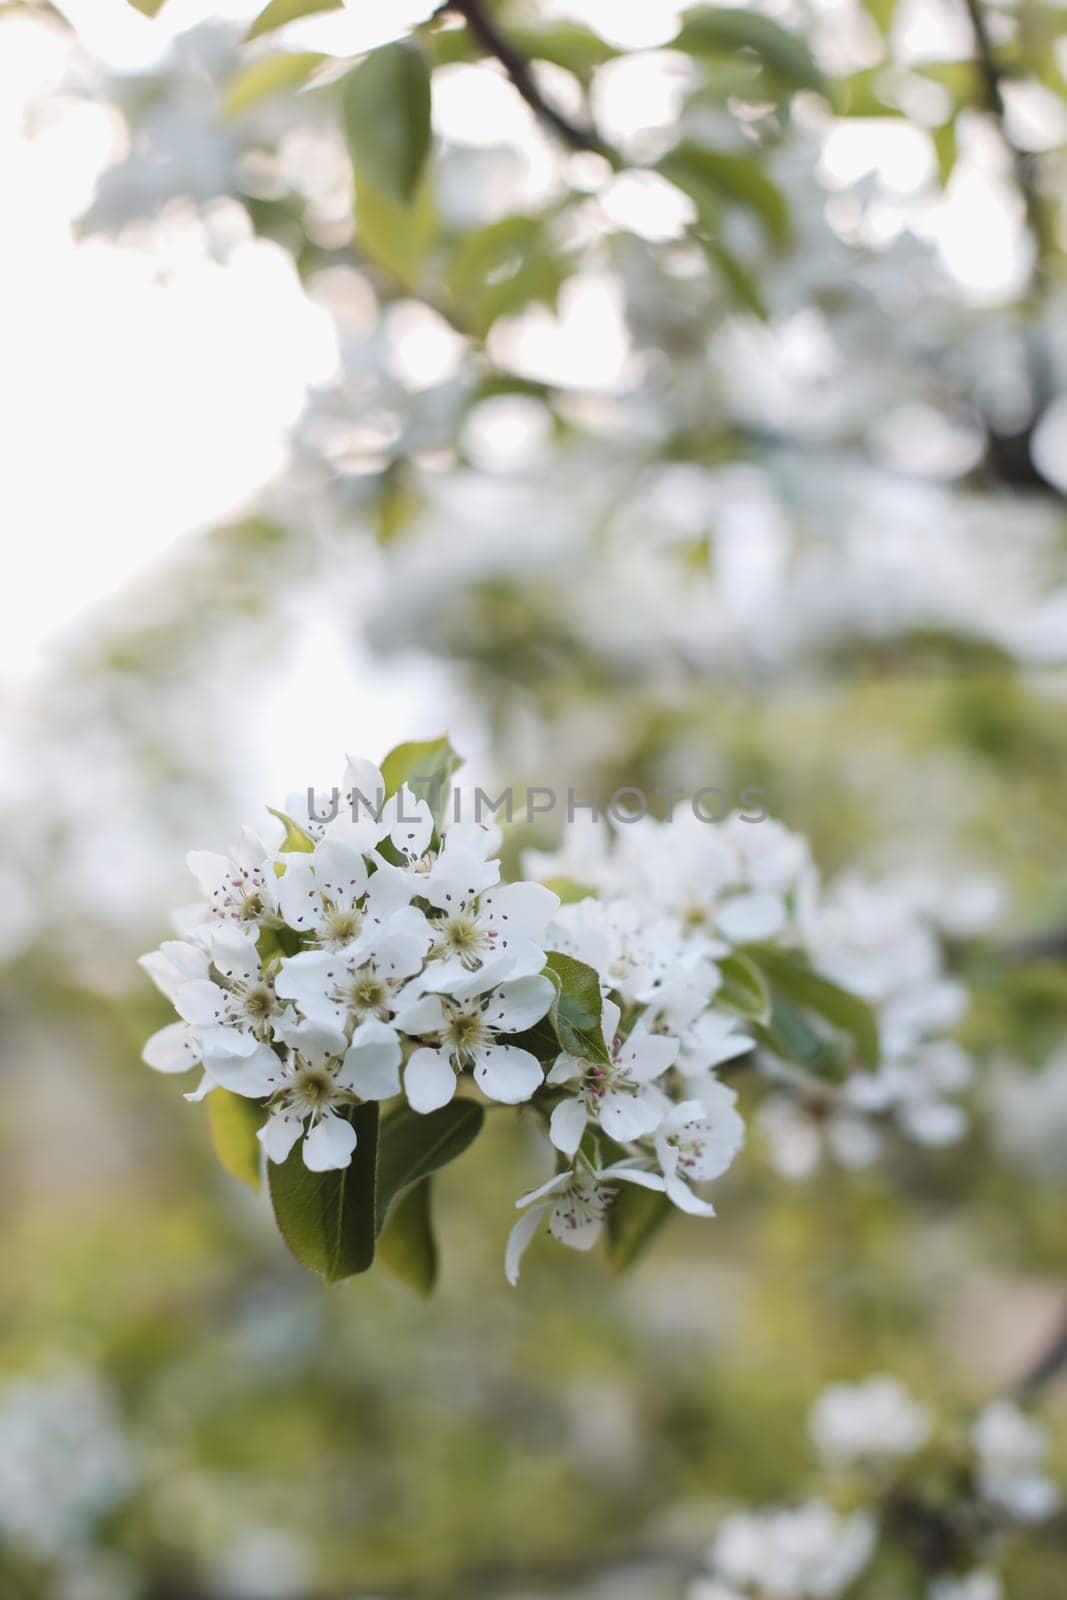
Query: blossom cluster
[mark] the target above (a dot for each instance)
(362, 963)
(369, 951)
(370, 956)
(675, 898)
(881, 1450)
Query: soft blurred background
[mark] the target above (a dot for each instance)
(752, 475)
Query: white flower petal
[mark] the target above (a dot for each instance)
(202, 1090)
(519, 1238)
(255, 1075)
(747, 917)
(372, 1070)
(624, 1117)
(566, 1126)
(508, 1074)
(175, 963)
(410, 823)
(419, 1015)
(330, 1144)
(558, 1181)
(647, 1055)
(172, 1049)
(517, 1005)
(299, 894)
(209, 869)
(621, 1172)
(430, 1080)
(235, 954)
(279, 1134)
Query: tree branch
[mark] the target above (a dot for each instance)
(1022, 162)
(497, 44)
(1009, 454)
(1046, 1366)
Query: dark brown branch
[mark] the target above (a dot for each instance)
(992, 84)
(1010, 455)
(1048, 946)
(1046, 1366)
(496, 43)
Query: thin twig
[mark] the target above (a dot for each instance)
(496, 43)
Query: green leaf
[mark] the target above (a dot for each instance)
(412, 1145)
(744, 988)
(565, 44)
(945, 149)
(386, 111)
(577, 1009)
(279, 12)
(328, 1218)
(295, 837)
(739, 278)
(718, 30)
(705, 174)
(426, 766)
(147, 8)
(396, 237)
(793, 1040)
(801, 986)
(634, 1218)
(235, 1121)
(407, 1245)
(268, 75)
(497, 270)
(858, 95)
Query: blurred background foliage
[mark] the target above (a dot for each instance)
(687, 408)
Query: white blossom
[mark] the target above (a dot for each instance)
(65, 1461)
(809, 1552)
(465, 1026)
(621, 1097)
(866, 1421)
(1011, 1447)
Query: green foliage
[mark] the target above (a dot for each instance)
(296, 839)
(790, 1036)
(332, 1221)
(577, 1009)
(328, 1218)
(800, 986)
(235, 1120)
(634, 1218)
(412, 1145)
(565, 44)
(497, 270)
(744, 988)
(710, 176)
(386, 110)
(426, 766)
(407, 1245)
(718, 30)
(147, 8)
(738, 277)
(268, 75)
(281, 12)
(396, 236)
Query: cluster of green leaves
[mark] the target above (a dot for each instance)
(383, 103)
